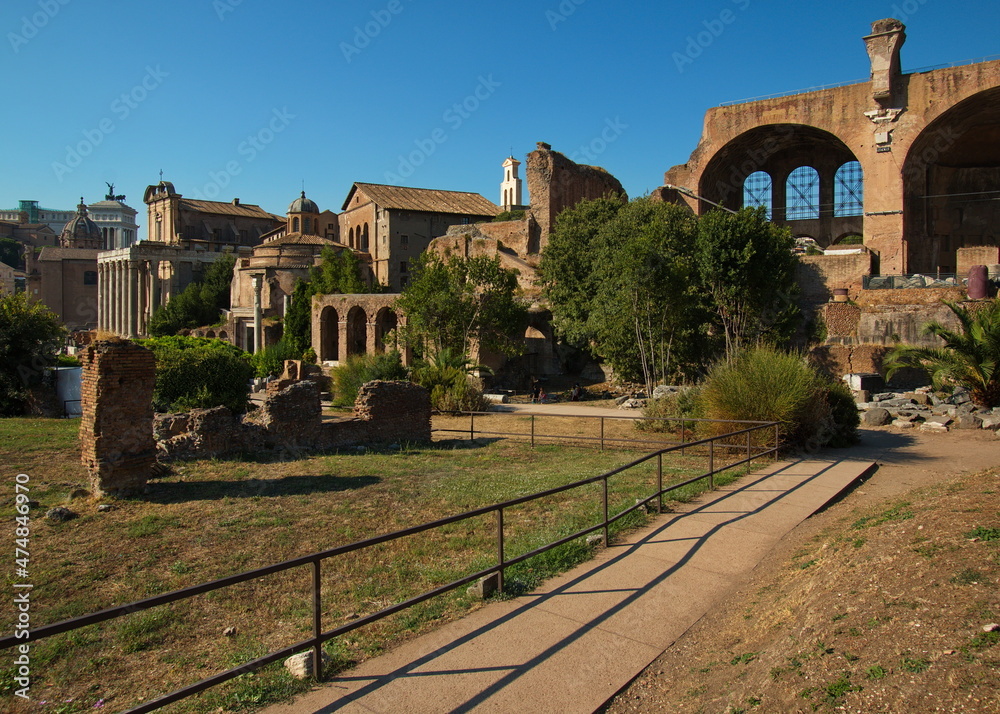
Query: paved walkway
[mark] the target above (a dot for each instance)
(578, 640)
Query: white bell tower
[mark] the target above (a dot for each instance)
(510, 189)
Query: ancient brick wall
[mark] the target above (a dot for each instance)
(116, 431)
(841, 320)
(291, 419)
(976, 255)
(556, 183)
(819, 275)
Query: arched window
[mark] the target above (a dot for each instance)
(350, 238)
(306, 225)
(295, 225)
(802, 194)
(848, 190)
(364, 238)
(757, 191)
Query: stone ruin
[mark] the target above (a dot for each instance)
(121, 438)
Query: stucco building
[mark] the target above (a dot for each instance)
(394, 224)
(909, 162)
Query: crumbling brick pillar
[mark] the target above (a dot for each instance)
(116, 433)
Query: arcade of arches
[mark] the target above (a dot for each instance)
(345, 325)
(909, 162)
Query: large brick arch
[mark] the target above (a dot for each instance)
(952, 183)
(778, 150)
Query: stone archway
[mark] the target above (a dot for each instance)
(329, 335)
(792, 170)
(386, 322)
(357, 331)
(951, 184)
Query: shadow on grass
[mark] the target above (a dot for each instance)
(184, 491)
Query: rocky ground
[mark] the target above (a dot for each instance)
(885, 602)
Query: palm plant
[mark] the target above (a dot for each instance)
(968, 358)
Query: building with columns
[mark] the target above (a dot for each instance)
(184, 236)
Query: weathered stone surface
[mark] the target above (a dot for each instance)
(116, 430)
(903, 424)
(968, 421)
(991, 422)
(933, 426)
(942, 420)
(917, 397)
(300, 665)
(485, 587)
(60, 515)
(876, 417)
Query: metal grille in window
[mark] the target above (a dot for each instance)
(802, 194)
(848, 190)
(757, 191)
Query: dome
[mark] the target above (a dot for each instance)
(303, 205)
(81, 232)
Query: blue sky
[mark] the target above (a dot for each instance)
(249, 98)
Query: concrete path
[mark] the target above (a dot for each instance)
(578, 640)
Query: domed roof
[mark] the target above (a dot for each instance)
(81, 231)
(303, 205)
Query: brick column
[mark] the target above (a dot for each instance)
(116, 430)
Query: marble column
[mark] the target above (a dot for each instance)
(154, 287)
(142, 298)
(101, 289)
(131, 298)
(258, 327)
(116, 298)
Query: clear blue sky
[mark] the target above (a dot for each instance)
(248, 98)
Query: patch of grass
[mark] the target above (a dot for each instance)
(892, 515)
(745, 658)
(807, 564)
(982, 641)
(838, 688)
(876, 672)
(150, 525)
(916, 665)
(984, 533)
(144, 630)
(969, 576)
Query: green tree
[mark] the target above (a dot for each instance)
(338, 273)
(30, 337)
(12, 253)
(199, 304)
(747, 268)
(567, 269)
(968, 358)
(199, 373)
(455, 302)
(646, 313)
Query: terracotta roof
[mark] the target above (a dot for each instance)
(299, 239)
(53, 253)
(425, 199)
(246, 210)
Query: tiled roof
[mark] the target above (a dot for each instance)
(425, 199)
(246, 210)
(54, 253)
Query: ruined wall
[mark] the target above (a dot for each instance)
(116, 434)
(976, 255)
(819, 275)
(556, 183)
(291, 420)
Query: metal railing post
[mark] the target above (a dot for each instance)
(776, 437)
(532, 431)
(711, 465)
(683, 437)
(472, 426)
(607, 532)
(500, 555)
(602, 433)
(317, 663)
(659, 482)
(748, 446)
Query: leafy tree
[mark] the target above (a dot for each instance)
(646, 313)
(567, 270)
(968, 358)
(338, 273)
(12, 253)
(198, 373)
(455, 302)
(30, 337)
(199, 303)
(746, 266)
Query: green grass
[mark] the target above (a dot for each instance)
(212, 518)
(891, 515)
(984, 533)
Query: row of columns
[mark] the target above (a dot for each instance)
(128, 293)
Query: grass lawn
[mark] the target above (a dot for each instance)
(208, 519)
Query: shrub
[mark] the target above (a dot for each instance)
(270, 361)
(684, 403)
(845, 415)
(447, 377)
(195, 372)
(359, 369)
(766, 384)
(30, 336)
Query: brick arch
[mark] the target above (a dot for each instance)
(778, 150)
(386, 320)
(357, 331)
(951, 183)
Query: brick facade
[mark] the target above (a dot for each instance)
(116, 432)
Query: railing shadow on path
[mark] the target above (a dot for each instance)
(514, 671)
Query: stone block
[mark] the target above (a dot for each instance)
(876, 417)
(485, 587)
(300, 666)
(968, 421)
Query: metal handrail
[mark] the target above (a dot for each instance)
(315, 560)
